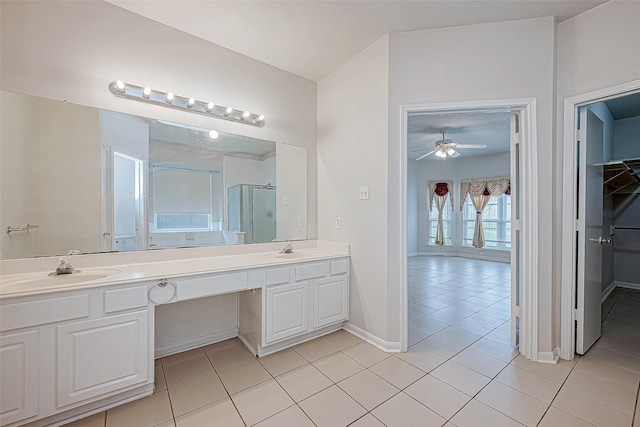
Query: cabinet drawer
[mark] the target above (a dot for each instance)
(32, 313)
(212, 285)
(339, 266)
(275, 276)
(125, 299)
(311, 271)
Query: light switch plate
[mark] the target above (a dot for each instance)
(285, 200)
(338, 222)
(363, 192)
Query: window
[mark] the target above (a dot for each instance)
(182, 198)
(446, 222)
(496, 221)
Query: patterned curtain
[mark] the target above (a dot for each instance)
(480, 191)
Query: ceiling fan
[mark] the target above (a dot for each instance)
(447, 148)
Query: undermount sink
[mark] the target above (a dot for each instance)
(45, 282)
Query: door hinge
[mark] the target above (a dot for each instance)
(577, 315)
(580, 135)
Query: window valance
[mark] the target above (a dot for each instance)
(440, 188)
(483, 187)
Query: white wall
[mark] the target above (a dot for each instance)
(72, 50)
(352, 151)
(413, 208)
(480, 62)
(593, 53)
(488, 166)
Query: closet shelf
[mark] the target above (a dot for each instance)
(621, 177)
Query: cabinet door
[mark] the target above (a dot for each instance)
(101, 356)
(19, 376)
(287, 311)
(330, 301)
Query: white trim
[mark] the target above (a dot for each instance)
(607, 291)
(168, 350)
(410, 254)
(548, 357)
(627, 285)
(389, 347)
(529, 229)
(569, 256)
(462, 255)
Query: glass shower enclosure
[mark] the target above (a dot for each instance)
(252, 209)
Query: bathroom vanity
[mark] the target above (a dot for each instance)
(77, 344)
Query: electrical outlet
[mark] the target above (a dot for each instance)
(338, 222)
(363, 192)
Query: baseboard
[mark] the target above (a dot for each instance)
(548, 357)
(410, 254)
(607, 291)
(389, 347)
(506, 260)
(627, 285)
(195, 343)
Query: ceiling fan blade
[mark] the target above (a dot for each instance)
(425, 155)
(455, 154)
(471, 146)
(419, 149)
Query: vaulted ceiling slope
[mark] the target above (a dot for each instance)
(313, 38)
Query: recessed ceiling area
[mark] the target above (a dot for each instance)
(489, 128)
(313, 38)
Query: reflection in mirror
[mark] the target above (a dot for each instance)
(96, 180)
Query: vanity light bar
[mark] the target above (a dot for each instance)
(192, 105)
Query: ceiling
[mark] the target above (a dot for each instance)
(491, 129)
(313, 38)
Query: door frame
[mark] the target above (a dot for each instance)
(569, 210)
(526, 107)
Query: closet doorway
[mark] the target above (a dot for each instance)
(602, 226)
(465, 224)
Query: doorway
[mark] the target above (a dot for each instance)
(602, 223)
(127, 203)
(524, 176)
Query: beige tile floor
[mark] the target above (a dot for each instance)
(460, 370)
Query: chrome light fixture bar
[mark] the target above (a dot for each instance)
(189, 104)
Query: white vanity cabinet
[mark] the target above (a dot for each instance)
(299, 302)
(64, 351)
(19, 382)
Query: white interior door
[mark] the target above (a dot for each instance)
(589, 227)
(128, 208)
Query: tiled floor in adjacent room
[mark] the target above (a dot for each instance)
(460, 370)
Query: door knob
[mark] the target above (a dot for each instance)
(600, 241)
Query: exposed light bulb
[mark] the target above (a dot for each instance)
(146, 92)
(245, 115)
(169, 98)
(451, 151)
(190, 102)
(213, 134)
(228, 111)
(260, 119)
(120, 86)
(441, 154)
(210, 106)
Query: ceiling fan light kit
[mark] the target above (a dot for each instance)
(447, 148)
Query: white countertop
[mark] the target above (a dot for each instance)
(99, 273)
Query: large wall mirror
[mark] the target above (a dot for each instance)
(99, 181)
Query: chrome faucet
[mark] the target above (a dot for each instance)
(288, 249)
(65, 267)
